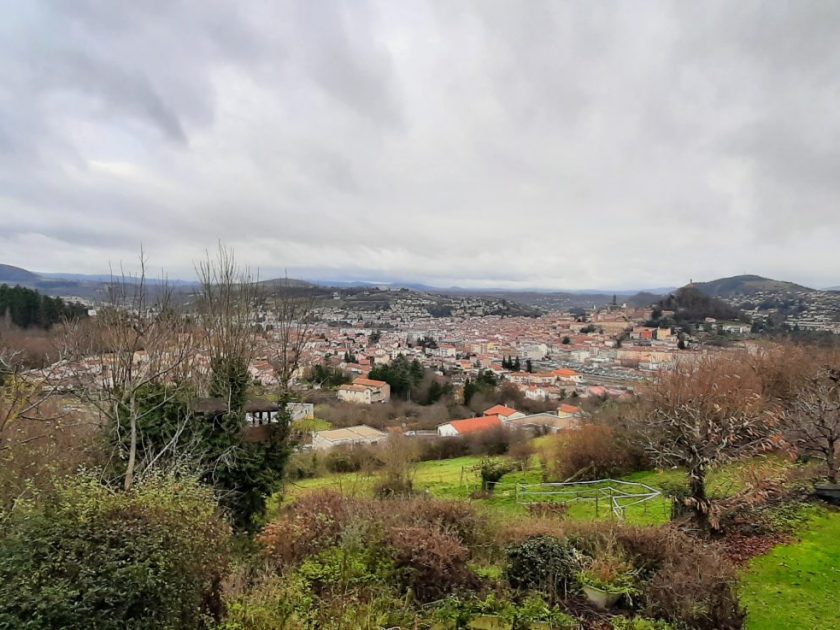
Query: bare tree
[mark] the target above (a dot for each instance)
(702, 414)
(813, 419)
(245, 470)
(399, 455)
(292, 328)
(226, 304)
(136, 340)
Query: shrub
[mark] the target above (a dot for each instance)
(429, 562)
(680, 494)
(593, 452)
(683, 580)
(341, 569)
(768, 502)
(544, 564)
(491, 471)
(687, 582)
(304, 528)
(34, 453)
(85, 556)
(345, 459)
(399, 456)
(433, 448)
(493, 441)
(303, 466)
(452, 517)
(548, 510)
(639, 623)
(455, 612)
(266, 602)
(695, 588)
(392, 488)
(610, 570)
(521, 453)
(325, 518)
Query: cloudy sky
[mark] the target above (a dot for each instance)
(518, 144)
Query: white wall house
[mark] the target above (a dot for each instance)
(365, 391)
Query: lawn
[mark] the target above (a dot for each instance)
(457, 479)
(449, 478)
(797, 585)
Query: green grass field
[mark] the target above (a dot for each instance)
(458, 479)
(797, 585)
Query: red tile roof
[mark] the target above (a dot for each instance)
(473, 425)
(500, 410)
(369, 382)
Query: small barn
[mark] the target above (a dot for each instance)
(350, 436)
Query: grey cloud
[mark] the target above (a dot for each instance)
(494, 143)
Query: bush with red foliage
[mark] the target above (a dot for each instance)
(430, 562)
(318, 519)
(306, 527)
(452, 517)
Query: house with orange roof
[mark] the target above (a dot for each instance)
(458, 428)
(535, 392)
(569, 411)
(504, 412)
(365, 391)
(597, 390)
(542, 378)
(263, 372)
(567, 375)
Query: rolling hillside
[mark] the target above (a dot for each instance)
(15, 275)
(747, 285)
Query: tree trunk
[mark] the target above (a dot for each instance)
(700, 503)
(132, 449)
(831, 462)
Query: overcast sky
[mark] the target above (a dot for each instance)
(518, 144)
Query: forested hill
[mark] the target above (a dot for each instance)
(28, 308)
(690, 305)
(746, 285)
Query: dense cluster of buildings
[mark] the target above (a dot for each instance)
(605, 353)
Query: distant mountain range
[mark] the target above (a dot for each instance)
(427, 288)
(86, 287)
(90, 286)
